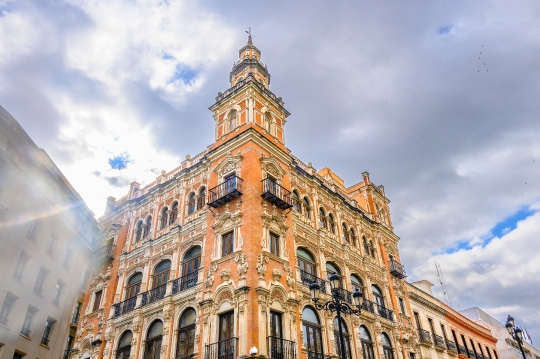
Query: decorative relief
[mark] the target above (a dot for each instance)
(229, 164)
(210, 276)
(225, 275)
(261, 268)
(243, 266)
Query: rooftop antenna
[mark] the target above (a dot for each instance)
(440, 279)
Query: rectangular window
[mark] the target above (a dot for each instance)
(51, 245)
(28, 319)
(9, 301)
(402, 306)
(411, 355)
(97, 300)
(75, 317)
(417, 319)
(32, 230)
(18, 355)
(472, 348)
(40, 280)
(47, 331)
(67, 258)
(465, 345)
(58, 292)
(488, 353)
(430, 321)
(495, 353)
(21, 265)
(275, 325)
(227, 244)
(274, 244)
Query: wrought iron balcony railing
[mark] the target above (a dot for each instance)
(451, 346)
(104, 254)
(396, 269)
(279, 348)
(225, 349)
(472, 354)
(308, 278)
(276, 194)
(424, 336)
(124, 307)
(153, 295)
(74, 318)
(439, 341)
(368, 306)
(185, 282)
(225, 192)
(315, 355)
(462, 350)
(345, 295)
(385, 313)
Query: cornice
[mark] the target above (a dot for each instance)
(415, 297)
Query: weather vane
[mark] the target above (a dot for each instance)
(248, 31)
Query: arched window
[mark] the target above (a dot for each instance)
(306, 208)
(356, 283)
(124, 345)
(387, 346)
(190, 268)
(267, 122)
(377, 295)
(153, 341)
(147, 227)
(163, 219)
(185, 345)
(345, 233)
(322, 218)
(331, 268)
(311, 327)
(134, 285)
(353, 238)
(191, 203)
(161, 274)
(202, 198)
(174, 213)
(367, 344)
(331, 223)
(231, 122)
(365, 245)
(306, 262)
(346, 339)
(296, 201)
(139, 231)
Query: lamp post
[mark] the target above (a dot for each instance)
(337, 304)
(516, 333)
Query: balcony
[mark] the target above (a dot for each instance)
(153, 295)
(276, 194)
(345, 295)
(472, 354)
(462, 350)
(308, 278)
(279, 348)
(424, 336)
(124, 307)
(396, 269)
(185, 282)
(225, 349)
(315, 355)
(103, 255)
(385, 313)
(74, 319)
(368, 306)
(439, 341)
(451, 346)
(225, 192)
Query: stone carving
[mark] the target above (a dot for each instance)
(243, 266)
(225, 275)
(261, 268)
(210, 276)
(276, 274)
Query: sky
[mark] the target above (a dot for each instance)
(438, 100)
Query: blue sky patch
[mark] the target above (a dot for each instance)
(183, 73)
(443, 30)
(166, 56)
(119, 162)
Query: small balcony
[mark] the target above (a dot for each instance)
(315, 355)
(385, 313)
(345, 295)
(225, 349)
(462, 350)
(396, 269)
(103, 255)
(424, 336)
(308, 278)
(451, 346)
(472, 354)
(124, 307)
(74, 319)
(279, 348)
(225, 192)
(185, 282)
(153, 295)
(439, 341)
(368, 306)
(276, 194)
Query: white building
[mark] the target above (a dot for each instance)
(46, 242)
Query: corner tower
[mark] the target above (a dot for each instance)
(249, 103)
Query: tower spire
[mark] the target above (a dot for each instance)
(250, 40)
(250, 64)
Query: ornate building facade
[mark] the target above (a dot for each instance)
(214, 259)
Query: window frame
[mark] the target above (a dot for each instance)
(227, 243)
(273, 243)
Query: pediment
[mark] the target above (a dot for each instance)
(229, 164)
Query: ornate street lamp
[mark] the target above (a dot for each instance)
(516, 333)
(337, 304)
